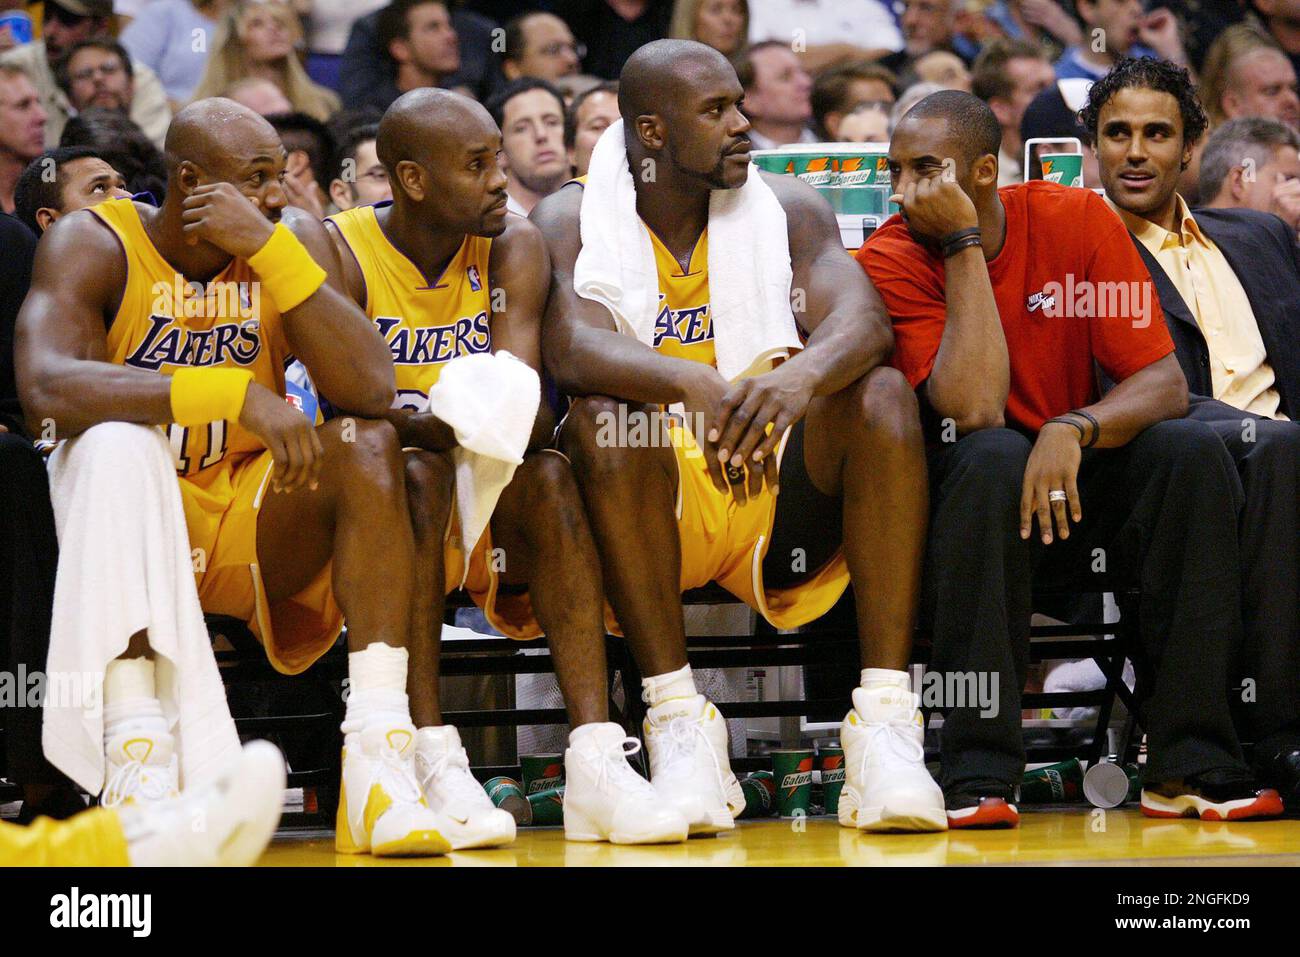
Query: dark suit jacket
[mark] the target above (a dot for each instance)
(1262, 251)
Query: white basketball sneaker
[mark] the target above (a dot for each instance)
(381, 809)
(606, 800)
(449, 788)
(226, 823)
(141, 767)
(886, 784)
(689, 766)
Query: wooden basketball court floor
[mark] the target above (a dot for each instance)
(1071, 836)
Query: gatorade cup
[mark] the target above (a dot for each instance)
(541, 772)
(830, 761)
(548, 807)
(812, 163)
(1053, 784)
(792, 771)
(1063, 168)
(1108, 784)
(507, 795)
(760, 794)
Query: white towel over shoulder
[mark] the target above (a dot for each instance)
(125, 566)
(490, 401)
(749, 262)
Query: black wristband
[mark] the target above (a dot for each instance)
(1096, 429)
(957, 245)
(1064, 421)
(959, 234)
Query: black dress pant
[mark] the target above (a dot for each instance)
(1267, 456)
(1160, 513)
(29, 557)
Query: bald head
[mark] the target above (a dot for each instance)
(428, 124)
(666, 73)
(211, 132)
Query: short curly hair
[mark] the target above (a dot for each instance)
(1151, 74)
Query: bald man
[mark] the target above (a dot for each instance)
(186, 322)
(444, 265)
(833, 428)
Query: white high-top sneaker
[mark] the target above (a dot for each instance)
(450, 789)
(689, 765)
(886, 784)
(142, 767)
(226, 823)
(381, 809)
(606, 800)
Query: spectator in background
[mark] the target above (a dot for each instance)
(1247, 74)
(358, 176)
(22, 130)
(1054, 113)
(328, 23)
(97, 72)
(1008, 74)
(943, 68)
(540, 45)
(123, 146)
(163, 38)
(1124, 31)
(1281, 20)
(611, 29)
(260, 96)
(81, 178)
(530, 113)
(257, 41)
(834, 31)
(573, 86)
(1042, 22)
(407, 44)
(66, 22)
(588, 116)
(930, 25)
(911, 96)
(311, 149)
(849, 93)
(722, 24)
(778, 95)
(1253, 163)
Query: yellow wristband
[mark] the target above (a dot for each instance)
(288, 273)
(200, 396)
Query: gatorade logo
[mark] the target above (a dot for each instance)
(799, 778)
(552, 777)
(833, 769)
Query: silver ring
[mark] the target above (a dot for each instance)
(1056, 495)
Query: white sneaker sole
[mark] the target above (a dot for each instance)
(471, 841)
(580, 828)
(878, 819)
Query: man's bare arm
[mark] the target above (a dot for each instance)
(60, 340)
(344, 353)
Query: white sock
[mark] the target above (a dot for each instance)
(376, 687)
(876, 678)
(675, 684)
(131, 704)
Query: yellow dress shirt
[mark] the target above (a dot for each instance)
(1239, 369)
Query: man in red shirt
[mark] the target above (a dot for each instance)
(1044, 286)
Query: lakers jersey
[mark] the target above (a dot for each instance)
(425, 326)
(166, 322)
(683, 325)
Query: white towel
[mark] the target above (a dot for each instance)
(124, 566)
(490, 401)
(749, 262)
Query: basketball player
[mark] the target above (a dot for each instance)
(445, 266)
(185, 319)
(852, 502)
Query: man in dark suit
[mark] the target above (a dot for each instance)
(1229, 286)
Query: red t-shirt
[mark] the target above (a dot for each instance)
(1070, 289)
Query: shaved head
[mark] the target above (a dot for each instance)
(663, 73)
(211, 132)
(427, 124)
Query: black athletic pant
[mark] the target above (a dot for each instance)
(29, 556)
(1163, 510)
(1267, 455)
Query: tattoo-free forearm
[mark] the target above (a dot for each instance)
(971, 377)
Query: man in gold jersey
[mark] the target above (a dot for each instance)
(444, 272)
(850, 472)
(184, 317)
